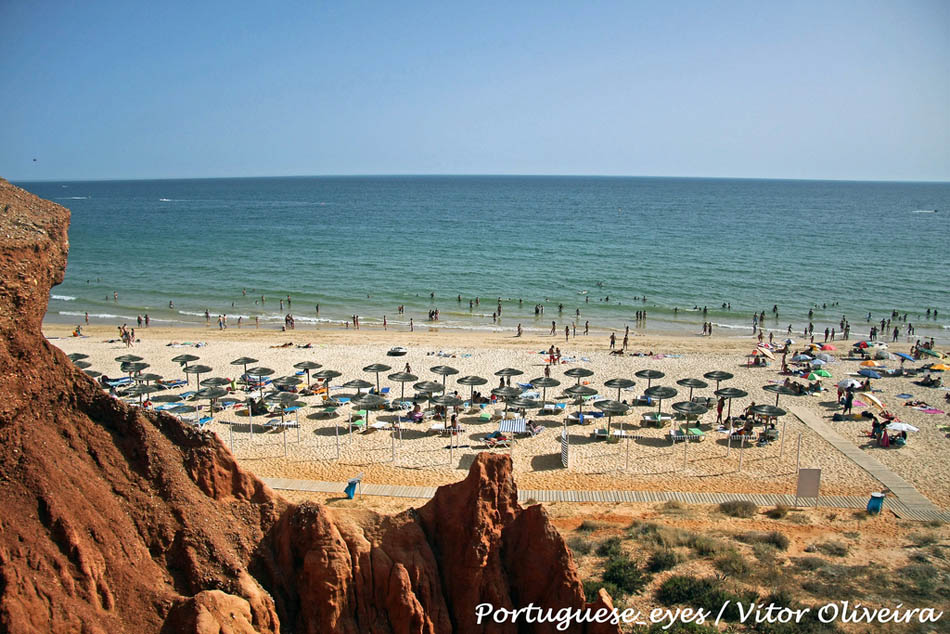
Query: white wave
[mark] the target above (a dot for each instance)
(73, 313)
(731, 326)
(65, 298)
(924, 211)
(73, 198)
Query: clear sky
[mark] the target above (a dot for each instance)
(126, 89)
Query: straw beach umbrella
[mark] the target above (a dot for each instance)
(692, 384)
(778, 390)
(197, 370)
(359, 385)
(428, 387)
(506, 394)
(376, 368)
(718, 376)
(77, 356)
(579, 373)
(579, 392)
(306, 366)
(403, 378)
(611, 409)
(649, 375)
(544, 382)
(730, 393)
(128, 358)
(620, 384)
(242, 361)
(444, 371)
(471, 381)
(660, 393)
(82, 365)
(326, 376)
(215, 381)
(211, 393)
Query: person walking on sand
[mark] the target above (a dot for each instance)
(519, 331)
(87, 318)
(719, 407)
(587, 327)
(567, 333)
(411, 329)
(626, 342)
(384, 323)
(613, 341)
(553, 328)
(848, 400)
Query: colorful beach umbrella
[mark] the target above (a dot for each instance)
(898, 426)
(870, 364)
(828, 346)
(905, 356)
(852, 383)
(871, 374)
(801, 357)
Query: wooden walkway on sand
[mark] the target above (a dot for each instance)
(524, 495)
(912, 504)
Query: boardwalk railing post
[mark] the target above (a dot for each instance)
(685, 445)
(729, 443)
(798, 458)
(781, 451)
(393, 437)
(741, 451)
(626, 460)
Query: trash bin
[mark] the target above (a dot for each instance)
(876, 503)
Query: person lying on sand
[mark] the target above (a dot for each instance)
(284, 345)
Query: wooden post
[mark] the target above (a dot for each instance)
(781, 451)
(336, 429)
(798, 459)
(685, 445)
(741, 452)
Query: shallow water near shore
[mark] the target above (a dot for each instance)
(364, 245)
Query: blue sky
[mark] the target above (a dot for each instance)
(840, 90)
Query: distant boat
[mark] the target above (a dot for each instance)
(924, 211)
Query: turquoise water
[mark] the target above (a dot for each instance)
(365, 245)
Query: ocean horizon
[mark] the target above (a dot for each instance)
(606, 246)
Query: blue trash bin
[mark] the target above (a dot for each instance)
(876, 503)
(350, 490)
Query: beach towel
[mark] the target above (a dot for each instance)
(905, 396)
(932, 410)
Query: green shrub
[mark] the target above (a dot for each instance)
(832, 549)
(589, 526)
(732, 564)
(773, 538)
(921, 540)
(580, 545)
(624, 573)
(707, 546)
(591, 588)
(739, 508)
(810, 563)
(683, 589)
(777, 513)
(662, 559)
(610, 547)
(764, 552)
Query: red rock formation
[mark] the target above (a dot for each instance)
(116, 519)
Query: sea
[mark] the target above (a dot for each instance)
(594, 250)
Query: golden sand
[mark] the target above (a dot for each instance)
(423, 458)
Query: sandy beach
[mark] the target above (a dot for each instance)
(650, 462)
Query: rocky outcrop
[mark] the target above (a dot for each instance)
(115, 519)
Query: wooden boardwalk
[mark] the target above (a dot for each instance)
(911, 503)
(524, 495)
